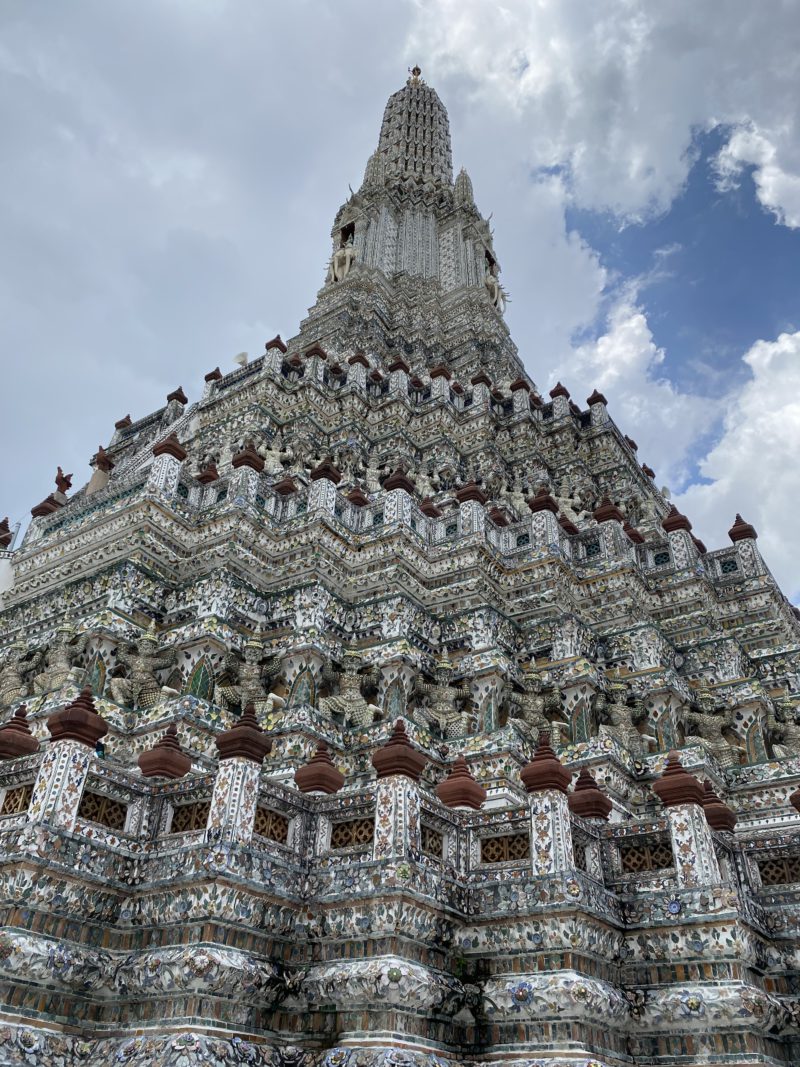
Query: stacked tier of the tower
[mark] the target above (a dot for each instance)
(239, 665)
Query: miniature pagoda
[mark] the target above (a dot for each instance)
(373, 708)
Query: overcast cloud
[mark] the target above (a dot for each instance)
(170, 172)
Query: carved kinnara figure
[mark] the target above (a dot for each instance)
(140, 688)
(59, 659)
(535, 707)
(622, 717)
(349, 702)
(783, 728)
(249, 680)
(16, 668)
(443, 700)
(341, 262)
(707, 720)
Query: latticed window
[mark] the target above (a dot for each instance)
(579, 851)
(661, 559)
(352, 833)
(592, 549)
(188, 817)
(645, 854)
(780, 870)
(272, 825)
(523, 539)
(451, 529)
(431, 842)
(17, 800)
(729, 566)
(95, 807)
(507, 847)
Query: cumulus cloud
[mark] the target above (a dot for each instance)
(777, 188)
(752, 468)
(613, 93)
(624, 364)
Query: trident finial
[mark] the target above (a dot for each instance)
(415, 74)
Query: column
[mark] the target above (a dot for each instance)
(57, 792)
(546, 781)
(692, 844)
(233, 803)
(397, 826)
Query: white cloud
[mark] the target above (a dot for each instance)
(753, 467)
(777, 189)
(614, 92)
(623, 363)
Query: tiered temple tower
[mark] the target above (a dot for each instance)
(374, 709)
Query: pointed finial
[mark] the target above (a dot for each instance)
(415, 73)
(319, 775)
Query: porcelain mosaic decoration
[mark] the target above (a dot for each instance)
(372, 552)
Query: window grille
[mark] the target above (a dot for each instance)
(377, 518)
(523, 539)
(354, 832)
(451, 529)
(183, 491)
(272, 825)
(645, 854)
(579, 851)
(17, 800)
(729, 566)
(103, 810)
(660, 559)
(592, 549)
(780, 870)
(188, 817)
(431, 842)
(507, 847)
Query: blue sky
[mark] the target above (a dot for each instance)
(172, 168)
(721, 273)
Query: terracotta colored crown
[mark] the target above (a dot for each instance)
(5, 533)
(399, 480)
(519, 383)
(567, 525)
(276, 342)
(326, 470)
(543, 502)
(596, 398)
(170, 446)
(285, 487)
(677, 786)
(794, 799)
(398, 756)
(16, 738)
(319, 775)
(208, 474)
(471, 491)
(441, 371)
(587, 799)
(179, 395)
(245, 740)
(559, 390)
(248, 457)
(481, 378)
(676, 521)
(633, 533)
(166, 759)
(78, 721)
(545, 770)
(607, 511)
(718, 815)
(741, 530)
(459, 789)
(101, 460)
(357, 497)
(214, 375)
(427, 507)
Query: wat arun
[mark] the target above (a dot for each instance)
(373, 707)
